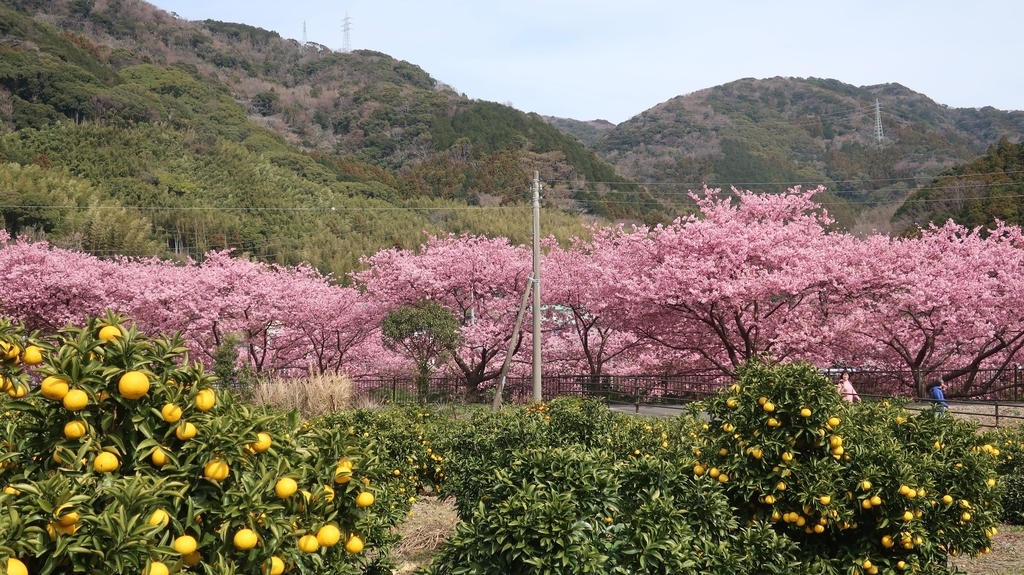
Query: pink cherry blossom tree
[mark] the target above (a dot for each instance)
(579, 293)
(728, 283)
(945, 306)
(480, 280)
(47, 288)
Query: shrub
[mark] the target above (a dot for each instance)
(88, 477)
(859, 487)
(578, 510)
(1007, 446)
(1013, 500)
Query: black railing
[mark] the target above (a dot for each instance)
(993, 404)
(989, 385)
(988, 413)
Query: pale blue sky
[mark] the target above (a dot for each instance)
(598, 59)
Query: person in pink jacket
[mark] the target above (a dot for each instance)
(845, 388)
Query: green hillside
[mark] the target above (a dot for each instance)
(767, 134)
(190, 136)
(975, 193)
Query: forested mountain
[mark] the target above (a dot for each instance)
(976, 193)
(763, 134)
(127, 130)
(124, 129)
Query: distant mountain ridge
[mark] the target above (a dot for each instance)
(764, 134)
(117, 104)
(126, 130)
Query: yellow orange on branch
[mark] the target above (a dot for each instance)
(133, 385)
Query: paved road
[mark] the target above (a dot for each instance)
(655, 410)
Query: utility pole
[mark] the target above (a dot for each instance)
(878, 122)
(346, 28)
(538, 394)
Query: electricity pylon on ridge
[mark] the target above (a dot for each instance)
(878, 122)
(346, 28)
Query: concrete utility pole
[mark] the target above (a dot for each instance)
(538, 395)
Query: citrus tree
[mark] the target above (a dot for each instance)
(125, 458)
(865, 488)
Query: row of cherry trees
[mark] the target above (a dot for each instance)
(750, 274)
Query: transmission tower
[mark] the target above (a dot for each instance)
(304, 39)
(346, 27)
(878, 122)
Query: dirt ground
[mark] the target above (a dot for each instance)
(1006, 558)
(987, 415)
(432, 521)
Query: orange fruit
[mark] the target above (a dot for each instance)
(53, 388)
(263, 442)
(245, 539)
(157, 568)
(9, 350)
(133, 385)
(159, 517)
(328, 535)
(286, 487)
(68, 519)
(105, 462)
(74, 430)
(17, 391)
(159, 457)
(343, 473)
(33, 355)
(216, 470)
(275, 565)
(308, 544)
(364, 499)
(110, 332)
(192, 558)
(205, 400)
(16, 567)
(185, 544)
(171, 413)
(354, 544)
(185, 431)
(76, 400)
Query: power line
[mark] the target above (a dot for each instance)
(516, 207)
(741, 184)
(255, 210)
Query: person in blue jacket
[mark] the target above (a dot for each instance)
(937, 396)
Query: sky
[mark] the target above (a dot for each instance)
(596, 59)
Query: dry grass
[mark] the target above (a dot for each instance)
(431, 523)
(313, 395)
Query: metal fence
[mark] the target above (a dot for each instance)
(995, 402)
(631, 389)
(984, 384)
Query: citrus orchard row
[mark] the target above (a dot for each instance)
(156, 470)
(125, 458)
